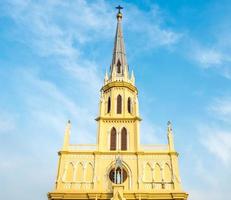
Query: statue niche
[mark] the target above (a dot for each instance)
(118, 174)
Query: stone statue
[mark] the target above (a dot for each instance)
(118, 178)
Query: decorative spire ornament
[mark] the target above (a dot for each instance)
(170, 136)
(67, 134)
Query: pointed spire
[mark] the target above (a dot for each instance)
(67, 134)
(170, 136)
(119, 60)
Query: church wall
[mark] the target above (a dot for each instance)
(87, 172)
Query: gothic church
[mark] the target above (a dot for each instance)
(118, 167)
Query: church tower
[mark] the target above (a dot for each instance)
(118, 166)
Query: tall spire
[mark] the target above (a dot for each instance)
(119, 66)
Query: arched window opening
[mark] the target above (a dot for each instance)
(157, 173)
(113, 139)
(109, 105)
(118, 67)
(148, 173)
(167, 173)
(124, 139)
(70, 173)
(79, 172)
(89, 173)
(129, 105)
(119, 104)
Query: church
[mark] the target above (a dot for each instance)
(118, 167)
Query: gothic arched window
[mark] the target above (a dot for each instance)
(129, 105)
(118, 67)
(109, 105)
(113, 139)
(119, 104)
(124, 139)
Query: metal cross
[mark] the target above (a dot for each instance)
(119, 8)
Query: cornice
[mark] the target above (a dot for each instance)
(97, 152)
(119, 84)
(118, 118)
(157, 194)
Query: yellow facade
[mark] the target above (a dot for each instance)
(118, 166)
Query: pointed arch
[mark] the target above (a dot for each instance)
(118, 66)
(167, 173)
(148, 173)
(89, 173)
(109, 105)
(119, 104)
(124, 139)
(129, 105)
(157, 173)
(70, 172)
(113, 139)
(79, 172)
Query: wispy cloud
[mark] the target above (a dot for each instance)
(208, 57)
(212, 52)
(150, 26)
(218, 142)
(216, 138)
(221, 108)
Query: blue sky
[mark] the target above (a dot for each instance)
(53, 57)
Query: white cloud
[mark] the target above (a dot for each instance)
(214, 54)
(150, 27)
(221, 108)
(218, 142)
(215, 138)
(208, 57)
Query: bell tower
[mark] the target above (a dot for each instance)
(119, 120)
(118, 167)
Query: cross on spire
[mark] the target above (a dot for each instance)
(119, 8)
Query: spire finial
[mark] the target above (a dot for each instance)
(119, 14)
(170, 136)
(169, 127)
(67, 134)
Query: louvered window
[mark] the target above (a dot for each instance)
(129, 105)
(113, 139)
(109, 105)
(124, 139)
(119, 104)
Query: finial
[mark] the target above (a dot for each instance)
(67, 134)
(169, 127)
(170, 137)
(119, 14)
